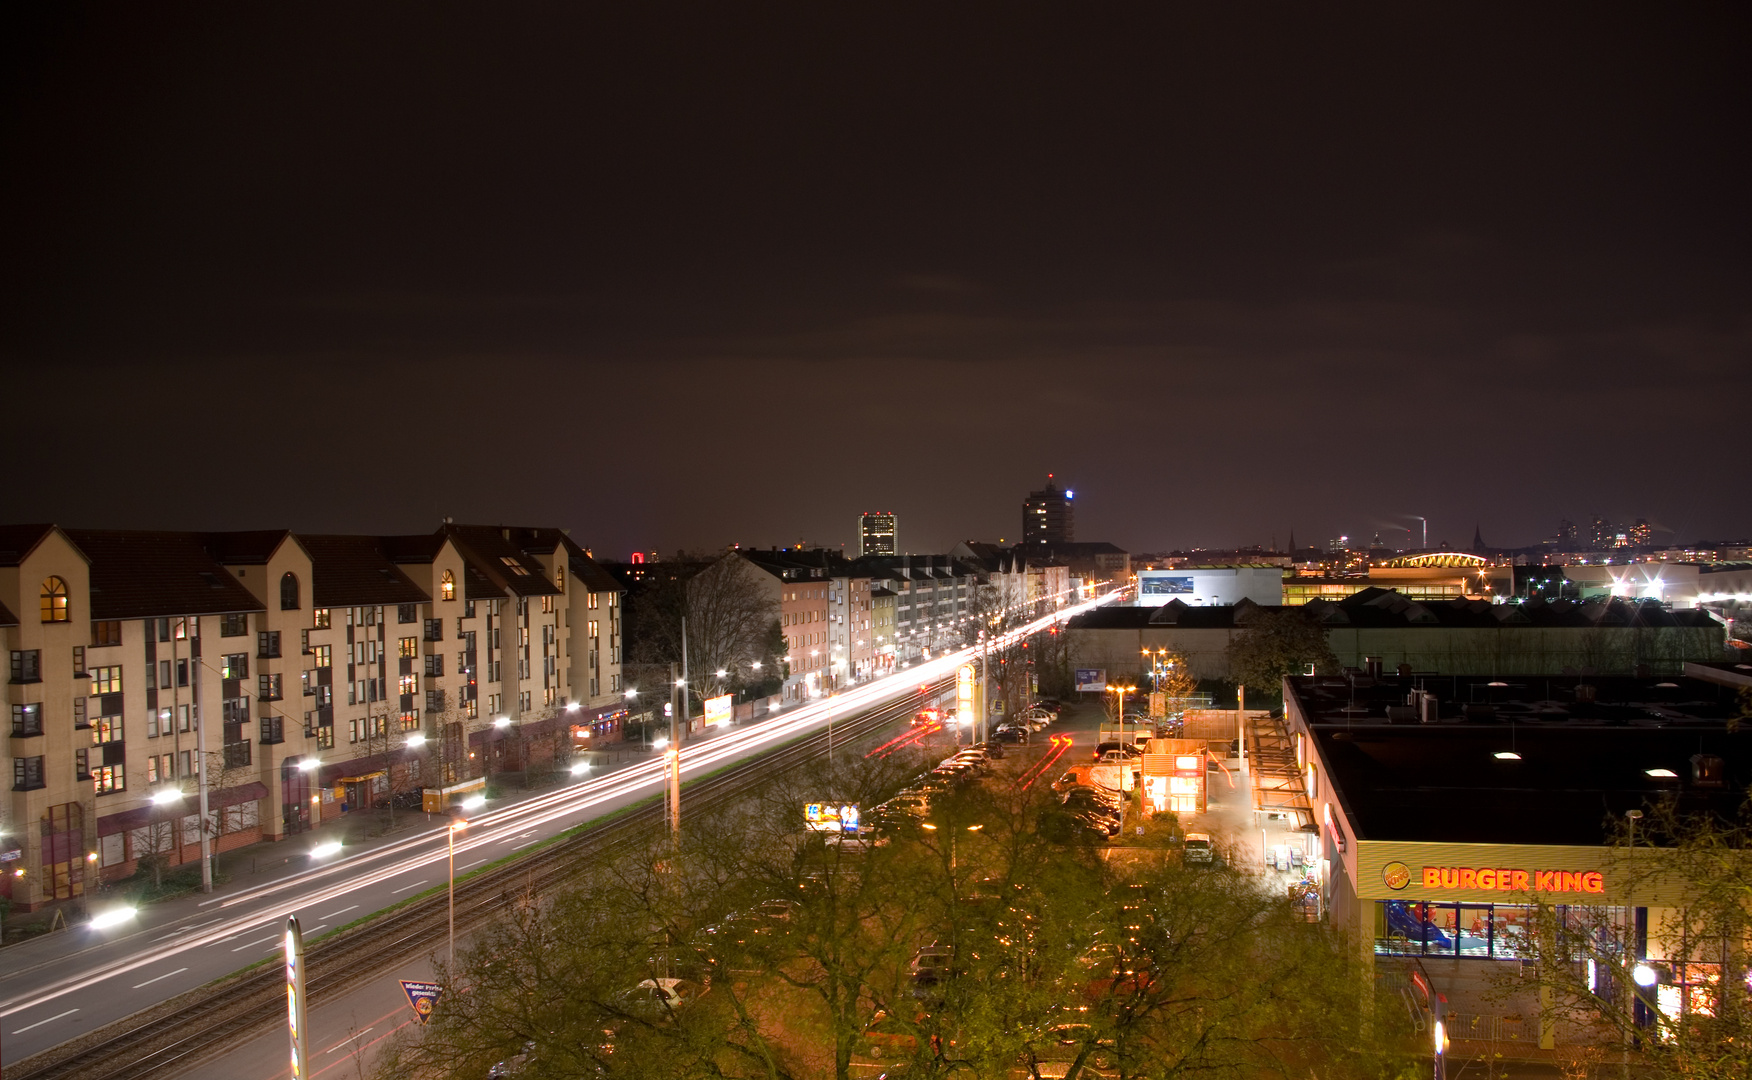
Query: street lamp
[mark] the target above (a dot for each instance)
(952, 834)
(456, 826)
(1121, 692)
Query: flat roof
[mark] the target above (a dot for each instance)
(1582, 763)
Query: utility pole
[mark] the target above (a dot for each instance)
(200, 753)
(677, 721)
(985, 689)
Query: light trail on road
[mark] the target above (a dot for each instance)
(338, 878)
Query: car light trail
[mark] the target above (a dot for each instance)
(1064, 743)
(340, 877)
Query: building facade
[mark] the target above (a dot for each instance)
(1048, 516)
(877, 534)
(281, 679)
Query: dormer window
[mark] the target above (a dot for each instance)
(447, 588)
(54, 600)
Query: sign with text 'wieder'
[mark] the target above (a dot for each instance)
(422, 996)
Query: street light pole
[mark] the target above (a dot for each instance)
(450, 835)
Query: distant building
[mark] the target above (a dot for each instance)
(877, 534)
(1204, 586)
(1454, 637)
(1047, 516)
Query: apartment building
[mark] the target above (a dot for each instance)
(851, 634)
(331, 673)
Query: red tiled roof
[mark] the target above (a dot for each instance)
(137, 574)
(355, 571)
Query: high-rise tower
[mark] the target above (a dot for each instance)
(1047, 516)
(876, 534)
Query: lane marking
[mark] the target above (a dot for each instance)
(252, 944)
(477, 862)
(186, 929)
(167, 975)
(362, 1049)
(344, 1043)
(405, 888)
(525, 844)
(318, 926)
(40, 1023)
(343, 911)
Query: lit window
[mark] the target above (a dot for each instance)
(107, 778)
(54, 600)
(410, 647)
(516, 568)
(447, 588)
(106, 680)
(319, 618)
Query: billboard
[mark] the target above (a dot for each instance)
(718, 711)
(827, 817)
(1164, 586)
(1092, 679)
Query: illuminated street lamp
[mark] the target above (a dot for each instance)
(1121, 692)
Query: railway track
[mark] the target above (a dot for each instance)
(176, 1035)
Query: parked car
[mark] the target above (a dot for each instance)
(1198, 849)
(1130, 749)
(1010, 733)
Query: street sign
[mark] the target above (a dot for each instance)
(423, 996)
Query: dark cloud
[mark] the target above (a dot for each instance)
(720, 274)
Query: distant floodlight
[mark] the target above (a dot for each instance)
(1661, 774)
(474, 802)
(755, 665)
(323, 851)
(1507, 755)
(631, 694)
(580, 768)
(167, 796)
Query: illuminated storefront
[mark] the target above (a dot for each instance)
(1456, 815)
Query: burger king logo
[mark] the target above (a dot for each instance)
(1396, 875)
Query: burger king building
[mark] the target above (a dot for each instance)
(1446, 808)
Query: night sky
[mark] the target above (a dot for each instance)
(736, 273)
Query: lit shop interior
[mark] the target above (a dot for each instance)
(1445, 812)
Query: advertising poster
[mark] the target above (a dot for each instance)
(1091, 680)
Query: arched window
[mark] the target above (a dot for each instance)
(289, 592)
(448, 588)
(54, 600)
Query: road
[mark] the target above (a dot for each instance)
(57, 988)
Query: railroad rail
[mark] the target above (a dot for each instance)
(178, 1034)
